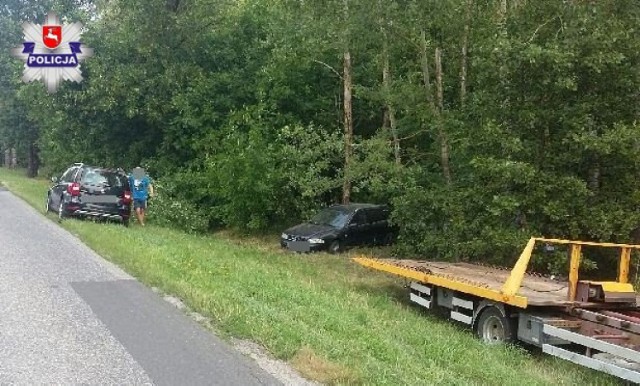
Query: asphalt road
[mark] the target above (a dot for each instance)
(67, 316)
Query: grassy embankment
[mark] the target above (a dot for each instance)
(331, 319)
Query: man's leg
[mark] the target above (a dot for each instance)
(142, 210)
(139, 216)
(138, 206)
(142, 207)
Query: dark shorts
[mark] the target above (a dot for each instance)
(142, 204)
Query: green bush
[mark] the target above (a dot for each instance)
(169, 209)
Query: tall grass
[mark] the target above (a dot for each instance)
(331, 319)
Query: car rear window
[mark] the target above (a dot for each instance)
(103, 177)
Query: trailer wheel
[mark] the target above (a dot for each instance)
(495, 328)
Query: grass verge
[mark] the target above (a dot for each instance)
(334, 321)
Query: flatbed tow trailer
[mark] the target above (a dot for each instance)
(595, 324)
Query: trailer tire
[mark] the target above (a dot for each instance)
(493, 327)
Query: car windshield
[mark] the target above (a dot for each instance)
(332, 217)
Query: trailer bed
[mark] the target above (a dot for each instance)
(538, 290)
(595, 324)
(479, 280)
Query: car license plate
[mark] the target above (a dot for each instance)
(299, 246)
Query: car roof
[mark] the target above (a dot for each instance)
(355, 206)
(102, 169)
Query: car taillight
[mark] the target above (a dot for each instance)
(126, 198)
(74, 189)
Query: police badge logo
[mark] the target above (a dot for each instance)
(51, 35)
(52, 52)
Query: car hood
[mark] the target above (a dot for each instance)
(310, 230)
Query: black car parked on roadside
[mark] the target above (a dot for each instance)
(341, 226)
(88, 191)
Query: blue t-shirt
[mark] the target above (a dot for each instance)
(139, 188)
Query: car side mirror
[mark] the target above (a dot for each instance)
(54, 179)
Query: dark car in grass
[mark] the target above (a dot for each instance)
(341, 226)
(88, 191)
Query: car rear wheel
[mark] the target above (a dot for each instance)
(47, 206)
(335, 247)
(62, 213)
(125, 222)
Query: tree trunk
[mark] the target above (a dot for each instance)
(385, 119)
(439, 83)
(594, 177)
(436, 109)
(425, 71)
(348, 113)
(173, 5)
(465, 48)
(502, 11)
(444, 140)
(386, 85)
(394, 134)
(545, 136)
(14, 158)
(33, 161)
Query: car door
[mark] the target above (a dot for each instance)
(378, 225)
(58, 189)
(357, 229)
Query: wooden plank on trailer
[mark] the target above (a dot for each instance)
(538, 290)
(455, 283)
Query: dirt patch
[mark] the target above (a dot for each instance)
(315, 367)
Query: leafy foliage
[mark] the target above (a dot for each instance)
(237, 108)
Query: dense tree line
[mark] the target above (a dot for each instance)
(481, 122)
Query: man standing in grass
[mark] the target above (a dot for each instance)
(141, 188)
